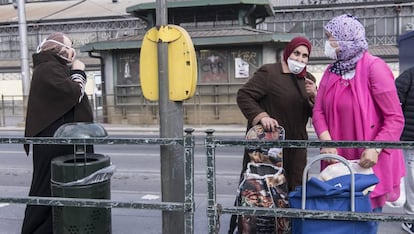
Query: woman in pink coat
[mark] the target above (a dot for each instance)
(357, 100)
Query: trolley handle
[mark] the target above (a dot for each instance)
(282, 133)
(328, 156)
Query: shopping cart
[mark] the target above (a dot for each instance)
(343, 193)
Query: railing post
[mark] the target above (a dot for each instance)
(189, 205)
(3, 111)
(12, 104)
(211, 182)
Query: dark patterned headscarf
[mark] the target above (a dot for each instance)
(350, 35)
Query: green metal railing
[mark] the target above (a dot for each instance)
(215, 210)
(187, 206)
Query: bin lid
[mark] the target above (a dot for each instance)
(80, 130)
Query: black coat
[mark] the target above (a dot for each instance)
(53, 101)
(53, 94)
(405, 88)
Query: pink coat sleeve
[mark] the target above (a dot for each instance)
(385, 96)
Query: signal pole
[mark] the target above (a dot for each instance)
(171, 126)
(24, 52)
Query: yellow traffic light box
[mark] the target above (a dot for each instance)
(182, 63)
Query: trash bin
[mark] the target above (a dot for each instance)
(81, 175)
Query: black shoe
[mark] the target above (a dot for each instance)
(408, 227)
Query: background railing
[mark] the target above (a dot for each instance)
(211, 104)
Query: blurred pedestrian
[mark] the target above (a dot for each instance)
(405, 88)
(57, 96)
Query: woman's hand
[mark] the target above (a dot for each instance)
(369, 158)
(269, 124)
(310, 87)
(326, 136)
(329, 151)
(78, 65)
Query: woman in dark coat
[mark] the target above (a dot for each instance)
(281, 94)
(57, 96)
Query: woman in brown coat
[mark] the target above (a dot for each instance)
(282, 94)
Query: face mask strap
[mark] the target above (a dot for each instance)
(67, 59)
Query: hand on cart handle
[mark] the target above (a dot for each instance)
(269, 124)
(369, 158)
(329, 151)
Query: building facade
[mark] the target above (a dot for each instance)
(110, 46)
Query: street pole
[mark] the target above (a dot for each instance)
(171, 126)
(24, 52)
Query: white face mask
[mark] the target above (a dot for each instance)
(330, 51)
(295, 67)
(39, 48)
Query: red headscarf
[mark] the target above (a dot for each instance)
(293, 44)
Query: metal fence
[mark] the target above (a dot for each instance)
(211, 103)
(187, 206)
(214, 209)
(12, 110)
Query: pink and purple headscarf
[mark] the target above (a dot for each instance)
(350, 35)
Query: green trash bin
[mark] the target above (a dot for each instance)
(81, 176)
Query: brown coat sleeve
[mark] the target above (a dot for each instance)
(250, 94)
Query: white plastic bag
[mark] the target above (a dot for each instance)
(340, 169)
(96, 177)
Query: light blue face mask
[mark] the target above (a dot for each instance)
(39, 49)
(330, 51)
(295, 67)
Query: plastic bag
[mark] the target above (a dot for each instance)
(263, 185)
(98, 176)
